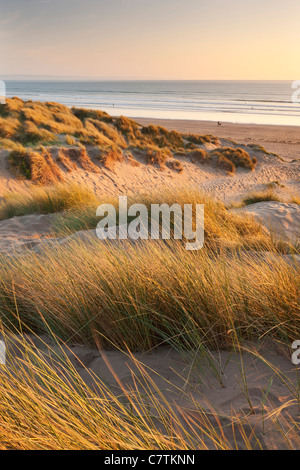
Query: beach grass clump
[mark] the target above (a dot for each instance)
(157, 156)
(109, 157)
(90, 135)
(19, 163)
(64, 159)
(199, 156)
(226, 164)
(70, 140)
(129, 129)
(238, 156)
(11, 107)
(197, 139)
(9, 144)
(8, 127)
(82, 114)
(161, 137)
(258, 148)
(43, 169)
(40, 200)
(260, 196)
(175, 165)
(31, 134)
(110, 132)
(38, 166)
(131, 160)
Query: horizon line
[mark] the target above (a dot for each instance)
(28, 77)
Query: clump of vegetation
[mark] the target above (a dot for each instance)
(70, 140)
(11, 107)
(31, 134)
(8, 127)
(110, 132)
(111, 156)
(175, 165)
(258, 148)
(129, 129)
(295, 200)
(90, 135)
(82, 114)
(43, 169)
(161, 137)
(262, 196)
(226, 164)
(9, 144)
(157, 156)
(37, 166)
(19, 163)
(61, 197)
(199, 156)
(238, 156)
(202, 139)
(133, 162)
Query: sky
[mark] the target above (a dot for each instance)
(151, 39)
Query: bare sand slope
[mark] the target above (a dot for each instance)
(26, 231)
(126, 179)
(281, 219)
(191, 383)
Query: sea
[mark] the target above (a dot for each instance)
(251, 102)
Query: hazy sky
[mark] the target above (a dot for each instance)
(151, 39)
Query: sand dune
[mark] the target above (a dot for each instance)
(281, 219)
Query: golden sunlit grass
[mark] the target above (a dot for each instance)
(199, 156)
(43, 200)
(137, 296)
(226, 164)
(111, 156)
(239, 157)
(202, 139)
(150, 292)
(261, 196)
(37, 166)
(157, 156)
(45, 404)
(163, 138)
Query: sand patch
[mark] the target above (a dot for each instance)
(281, 219)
